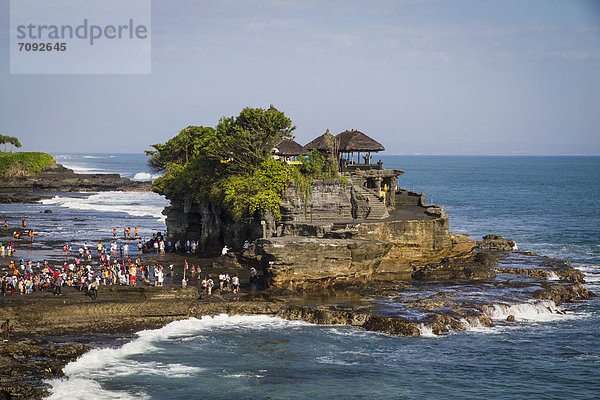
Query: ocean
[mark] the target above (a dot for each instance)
(549, 205)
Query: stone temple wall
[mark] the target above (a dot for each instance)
(327, 200)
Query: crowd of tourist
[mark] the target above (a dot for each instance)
(87, 267)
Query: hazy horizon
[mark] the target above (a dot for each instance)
(429, 77)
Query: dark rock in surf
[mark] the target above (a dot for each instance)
(496, 242)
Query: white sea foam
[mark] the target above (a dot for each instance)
(534, 311)
(592, 274)
(552, 276)
(426, 331)
(79, 169)
(139, 204)
(85, 389)
(145, 176)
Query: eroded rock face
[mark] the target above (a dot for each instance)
(448, 271)
(415, 242)
(297, 263)
(210, 225)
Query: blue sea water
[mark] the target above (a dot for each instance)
(549, 205)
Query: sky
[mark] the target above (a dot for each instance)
(456, 77)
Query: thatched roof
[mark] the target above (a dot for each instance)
(355, 140)
(323, 142)
(289, 147)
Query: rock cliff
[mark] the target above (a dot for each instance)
(318, 243)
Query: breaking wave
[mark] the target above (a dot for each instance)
(145, 176)
(114, 362)
(139, 204)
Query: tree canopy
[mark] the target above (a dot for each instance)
(232, 164)
(13, 141)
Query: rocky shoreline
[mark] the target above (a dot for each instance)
(56, 178)
(51, 331)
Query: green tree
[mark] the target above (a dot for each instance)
(3, 141)
(180, 148)
(14, 142)
(248, 139)
(231, 164)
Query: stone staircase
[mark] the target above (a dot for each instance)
(376, 206)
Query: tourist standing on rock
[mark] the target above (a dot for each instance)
(58, 285)
(6, 330)
(236, 283)
(132, 274)
(210, 284)
(160, 276)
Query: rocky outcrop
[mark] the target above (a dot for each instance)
(310, 263)
(319, 240)
(21, 198)
(35, 361)
(415, 242)
(328, 315)
(560, 294)
(496, 242)
(210, 225)
(57, 178)
(449, 271)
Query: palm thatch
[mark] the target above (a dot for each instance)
(289, 147)
(355, 141)
(325, 142)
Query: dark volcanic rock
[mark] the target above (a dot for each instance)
(20, 198)
(35, 361)
(486, 258)
(448, 271)
(563, 293)
(57, 178)
(228, 261)
(496, 242)
(370, 322)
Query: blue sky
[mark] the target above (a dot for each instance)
(420, 76)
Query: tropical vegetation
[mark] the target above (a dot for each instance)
(232, 164)
(25, 163)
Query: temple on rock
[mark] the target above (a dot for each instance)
(374, 187)
(347, 229)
